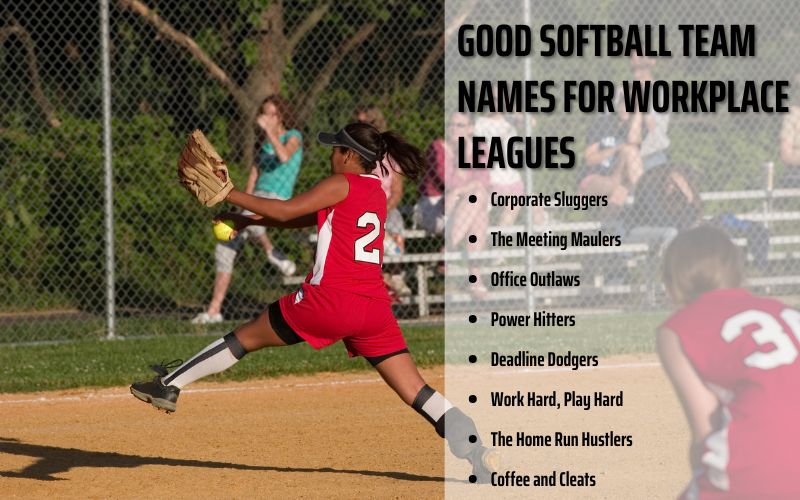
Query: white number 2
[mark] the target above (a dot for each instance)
(374, 255)
(767, 331)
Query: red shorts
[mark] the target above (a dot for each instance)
(322, 316)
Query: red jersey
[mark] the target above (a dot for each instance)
(350, 240)
(746, 349)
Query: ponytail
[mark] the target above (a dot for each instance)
(408, 158)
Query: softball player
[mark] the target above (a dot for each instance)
(344, 297)
(733, 360)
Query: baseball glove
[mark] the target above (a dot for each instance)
(202, 171)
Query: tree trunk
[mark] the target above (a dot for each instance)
(47, 109)
(264, 79)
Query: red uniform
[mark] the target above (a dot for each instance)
(344, 297)
(746, 349)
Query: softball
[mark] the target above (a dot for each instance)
(223, 230)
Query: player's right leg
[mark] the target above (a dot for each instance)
(401, 374)
(163, 391)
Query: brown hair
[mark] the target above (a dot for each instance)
(284, 110)
(406, 156)
(374, 116)
(700, 260)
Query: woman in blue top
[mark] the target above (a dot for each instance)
(273, 175)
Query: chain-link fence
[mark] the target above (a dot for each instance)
(175, 66)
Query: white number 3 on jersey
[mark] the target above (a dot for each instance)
(767, 331)
(362, 255)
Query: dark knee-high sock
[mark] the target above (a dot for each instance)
(216, 357)
(449, 422)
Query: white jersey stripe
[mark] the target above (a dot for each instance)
(323, 244)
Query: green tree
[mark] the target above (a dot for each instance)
(252, 52)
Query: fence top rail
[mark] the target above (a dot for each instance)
(752, 194)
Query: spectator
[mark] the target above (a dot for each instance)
(277, 163)
(790, 141)
(472, 218)
(656, 141)
(518, 121)
(666, 197)
(667, 203)
(392, 183)
(612, 156)
(504, 181)
(430, 206)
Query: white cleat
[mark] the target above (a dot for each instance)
(207, 319)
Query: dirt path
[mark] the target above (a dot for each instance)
(324, 436)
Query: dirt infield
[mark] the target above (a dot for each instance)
(326, 436)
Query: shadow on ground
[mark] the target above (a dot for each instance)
(54, 460)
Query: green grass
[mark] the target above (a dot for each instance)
(93, 327)
(95, 363)
(101, 363)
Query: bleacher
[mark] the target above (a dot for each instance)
(624, 276)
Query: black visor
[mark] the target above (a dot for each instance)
(343, 139)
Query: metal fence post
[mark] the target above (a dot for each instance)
(529, 293)
(107, 167)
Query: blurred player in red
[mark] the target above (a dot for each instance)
(344, 297)
(733, 360)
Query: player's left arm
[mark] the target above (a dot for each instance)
(327, 193)
(241, 221)
(699, 403)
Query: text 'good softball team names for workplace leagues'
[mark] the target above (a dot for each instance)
(553, 154)
(589, 96)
